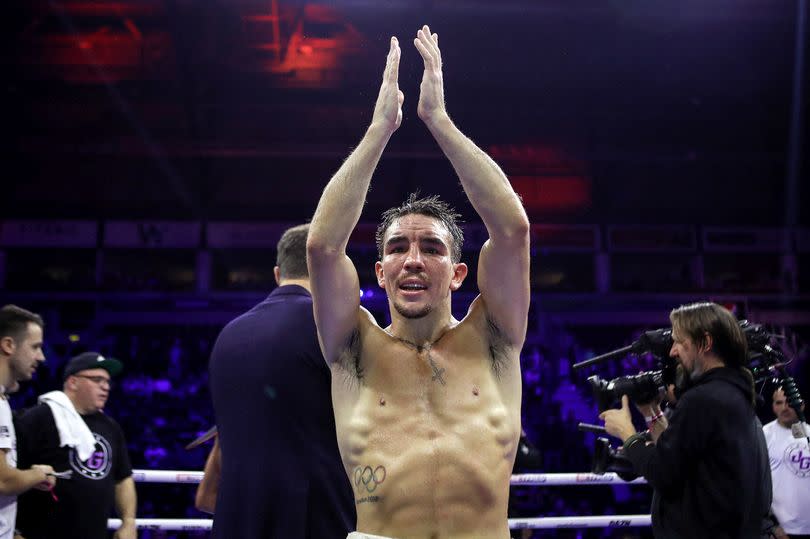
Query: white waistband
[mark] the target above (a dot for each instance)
(361, 535)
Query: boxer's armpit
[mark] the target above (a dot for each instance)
(349, 359)
(498, 346)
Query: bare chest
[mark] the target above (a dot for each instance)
(451, 400)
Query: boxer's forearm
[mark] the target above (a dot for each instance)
(484, 182)
(343, 198)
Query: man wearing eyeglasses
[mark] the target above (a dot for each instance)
(70, 431)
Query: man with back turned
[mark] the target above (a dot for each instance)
(281, 475)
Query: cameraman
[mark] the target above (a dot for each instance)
(709, 466)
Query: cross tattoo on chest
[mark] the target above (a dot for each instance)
(437, 372)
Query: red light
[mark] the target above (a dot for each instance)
(553, 193)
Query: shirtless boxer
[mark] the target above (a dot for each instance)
(427, 410)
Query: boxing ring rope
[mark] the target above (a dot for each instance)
(532, 479)
(543, 523)
(605, 521)
(166, 476)
(166, 524)
(571, 479)
(529, 479)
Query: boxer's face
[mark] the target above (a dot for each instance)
(417, 271)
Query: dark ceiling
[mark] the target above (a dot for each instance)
(614, 111)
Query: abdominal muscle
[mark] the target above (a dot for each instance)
(427, 459)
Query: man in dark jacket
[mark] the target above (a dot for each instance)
(709, 462)
(282, 476)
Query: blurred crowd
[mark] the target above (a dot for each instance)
(162, 402)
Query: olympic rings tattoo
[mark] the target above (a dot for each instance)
(369, 477)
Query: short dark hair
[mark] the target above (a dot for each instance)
(291, 253)
(14, 321)
(431, 206)
(780, 384)
(695, 320)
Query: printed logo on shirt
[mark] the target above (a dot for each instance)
(4, 432)
(98, 465)
(797, 459)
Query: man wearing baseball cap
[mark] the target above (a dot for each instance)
(70, 431)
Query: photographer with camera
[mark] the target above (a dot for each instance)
(709, 463)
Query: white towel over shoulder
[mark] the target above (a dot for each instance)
(73, 431)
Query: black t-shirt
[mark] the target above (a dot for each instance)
(86, 500)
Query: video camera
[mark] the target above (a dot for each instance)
(645, 386)
(608, 459)
(642, 388)
(765, 361)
